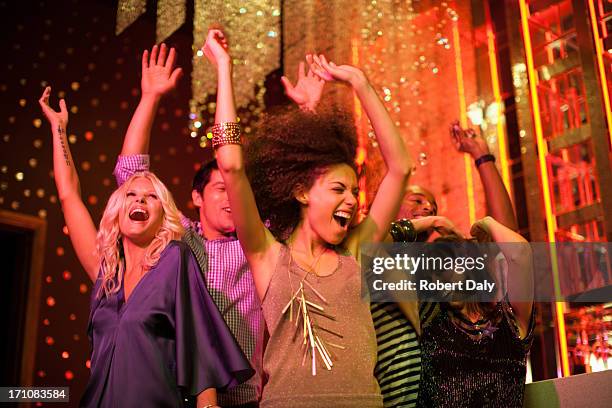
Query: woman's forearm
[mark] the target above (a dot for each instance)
(64, 170)
(498, 201)
(138, 134)
(509, 242)
(229, 157)
(226, 107)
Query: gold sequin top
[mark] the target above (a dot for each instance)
(287, 363)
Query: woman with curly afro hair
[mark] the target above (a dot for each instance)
(321, 348)
(287, 154)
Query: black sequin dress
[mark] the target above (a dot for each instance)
(467, 364)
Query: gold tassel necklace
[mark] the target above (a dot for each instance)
(312, 342)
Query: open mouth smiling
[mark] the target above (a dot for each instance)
(139, 214)
(343, 217)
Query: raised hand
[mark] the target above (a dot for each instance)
(308, 89)
(216, 47)
(467, 141)
(158, 73)
(55, 118)
(330, 71)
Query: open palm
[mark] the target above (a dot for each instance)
(158, 73)
(308, 88)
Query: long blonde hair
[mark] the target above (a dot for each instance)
(109, 244)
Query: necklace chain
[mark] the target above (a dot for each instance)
(306, 312)
(313, 267)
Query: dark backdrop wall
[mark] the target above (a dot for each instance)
(71, 46)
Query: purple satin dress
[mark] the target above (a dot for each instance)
(166, 344)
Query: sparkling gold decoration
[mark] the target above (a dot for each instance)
(254, 31)
(409, 51)
(127, 12)
(406, 49)
(254, 36)
(225, 133)
(170, 16)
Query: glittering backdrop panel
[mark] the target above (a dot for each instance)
(253, 29)
(408, 54)
(127, 12)
(406, 49)
(170, 16)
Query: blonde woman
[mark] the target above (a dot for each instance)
(157, 337)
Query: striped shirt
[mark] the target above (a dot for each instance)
(231, 286)
(399, 356)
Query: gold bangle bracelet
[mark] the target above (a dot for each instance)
(226, 133)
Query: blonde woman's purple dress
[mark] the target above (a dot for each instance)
(167, 343)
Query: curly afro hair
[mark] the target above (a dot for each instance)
(291, 148)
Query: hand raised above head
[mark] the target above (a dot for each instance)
(158, 73)
(216, 47)
(308, 89)
(330, 71)
(468, 141)
(55, 118)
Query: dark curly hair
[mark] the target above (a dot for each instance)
(290, 149)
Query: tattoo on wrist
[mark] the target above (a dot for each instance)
(61, 133)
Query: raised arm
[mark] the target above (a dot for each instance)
(519, 257)
(399, 163)
(158, 78)
(78, 220)
(499, 205)
(254, 237)
(308, 89)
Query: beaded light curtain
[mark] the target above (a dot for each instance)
(413, 52)
(254, 36)
(253, 30)
(420, 56)
(170, 16)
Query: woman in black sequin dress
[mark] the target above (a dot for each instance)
(474, 354)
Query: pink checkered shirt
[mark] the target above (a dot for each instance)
(230, 284)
